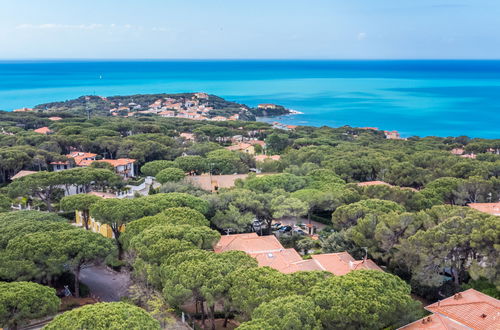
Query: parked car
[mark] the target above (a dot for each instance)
(299, 232)
(285, 229)
(257, 225)
(276, 226)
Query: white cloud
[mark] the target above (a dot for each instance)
(362, 35)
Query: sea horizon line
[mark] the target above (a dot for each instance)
(252, 59)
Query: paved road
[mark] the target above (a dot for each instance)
(106, 284)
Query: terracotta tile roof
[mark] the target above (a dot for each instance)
(435, 322)
(470, 308)
(55, 118)
(280, 260)
(85, 162)
(117, 162)
(302, 265)
(81, 157)
(269, 252)
(239, 146)
(250, 243)
(21, 174)
(342, 263)
(86, 158)
(373, 183)
(491, 208)
(43, 130)
(367, 264)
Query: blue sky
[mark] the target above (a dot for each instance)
(301, 29)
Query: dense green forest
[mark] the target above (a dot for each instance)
(418, 228)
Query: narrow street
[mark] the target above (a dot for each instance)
(106, 284)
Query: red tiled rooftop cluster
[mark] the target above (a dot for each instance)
(268, 251)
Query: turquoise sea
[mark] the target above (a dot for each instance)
(440, 98)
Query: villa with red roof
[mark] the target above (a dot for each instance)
(43, 130)
(243, 147)
(342, 263)
(123, 166)
(469, 309)
(268, 251)
(246, 147)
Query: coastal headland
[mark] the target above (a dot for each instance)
(196, 106)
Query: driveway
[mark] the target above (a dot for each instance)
(292, 222)
(106, 284)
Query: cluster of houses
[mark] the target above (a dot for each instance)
(268, 251)
(122, 166)
(247, 146)
(469, 309)
(195, 108)
(284, 127)
(390, 135)
(462, 153)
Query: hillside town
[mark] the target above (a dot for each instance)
(194, 106)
